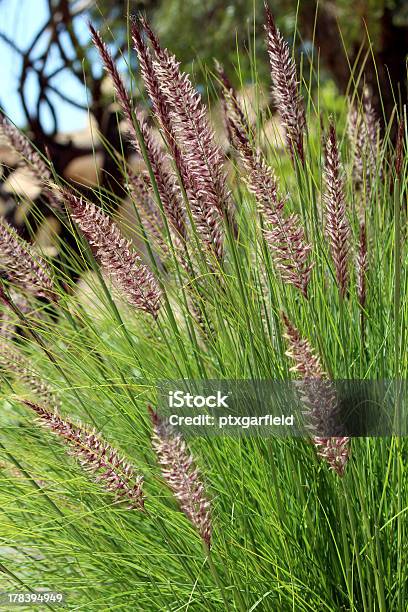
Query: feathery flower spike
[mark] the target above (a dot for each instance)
(286, 238)
(364, 136)
(110, 67)
(356, 138)
(285, 88)
(180, 473)
(12, 360)
(151, 83)
(96, 456)
(372, 127)
(115, 253)
(29, 156)
(140, 192)
(233, 112)
(318, 395)
(165, 179)
(24, 148)
(22, 266)
(204, 176)
(337, 226)
(289, 249)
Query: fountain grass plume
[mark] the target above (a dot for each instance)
(22, 266)
(115, 253)
(337, 225)
(203, 172)
(180, 473)
(284, 234)
(165, 179)
(319, 397)
(285, 88)
(96, 456)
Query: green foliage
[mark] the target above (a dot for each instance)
(288, 533)
(197, 32)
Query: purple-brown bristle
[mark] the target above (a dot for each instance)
(364, 136)
(202, 167)
(115, 253)
(179, 471)
(285, 88)
(337, 226)
(319, 397)
(165, 179)
(233, 112)
(97, 456)
(285, 234)
(25, 149)
(22, 266)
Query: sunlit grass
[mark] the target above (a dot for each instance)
(288, 533)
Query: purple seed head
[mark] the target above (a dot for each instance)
(115, 253)
(96, 456)
(183, 478)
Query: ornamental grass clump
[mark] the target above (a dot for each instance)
(228, 230)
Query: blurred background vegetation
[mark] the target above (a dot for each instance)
(341, 33)
(55, 82)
